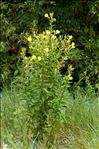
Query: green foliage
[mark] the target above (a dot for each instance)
(78, 18)
(15, 19)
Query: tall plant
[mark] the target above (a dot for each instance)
(41, 83)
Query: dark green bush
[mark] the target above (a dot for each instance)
(78, 18)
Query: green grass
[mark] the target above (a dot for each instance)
(76, 129)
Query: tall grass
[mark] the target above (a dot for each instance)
(77, 127)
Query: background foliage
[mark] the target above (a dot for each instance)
(78, 18)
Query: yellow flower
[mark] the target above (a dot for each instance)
(51, 15)
(29, 38)
(69, 77)
(25, 58)
(47, 32)
(68, 41)
(54, 19)
(53, 37)
(57, 32)
(73, 45)
(46, 15)
(65, 49)
(39, 58)
(70, 37)
(33, 57)
(65, 58)
(46, 50)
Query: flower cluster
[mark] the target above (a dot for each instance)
(34, 57)
(51, 49)
(69, 76)
(46, 15)
(72, 45)
(50, 16)
(46, 50)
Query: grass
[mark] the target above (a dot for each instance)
(77, 129)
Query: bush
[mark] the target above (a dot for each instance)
(16, 18)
